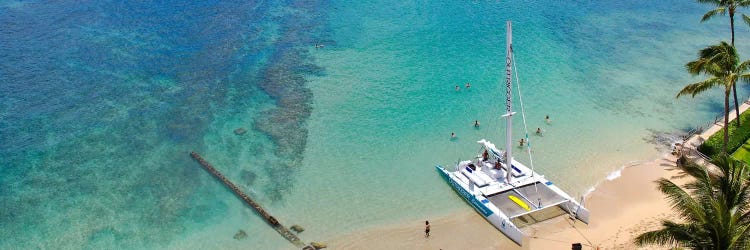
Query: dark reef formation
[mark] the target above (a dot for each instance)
(284, 80)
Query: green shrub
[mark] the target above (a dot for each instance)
(737, 137)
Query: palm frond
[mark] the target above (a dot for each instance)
(714, 208)
(743, 67)
(682, 202)
(745, 78)
(696, 67)
(714, 60)
(744, 70)
(671, 234)
(722, 54)
(711, 13)
(744, 217)
(698, 87)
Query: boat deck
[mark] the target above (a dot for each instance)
(537, 197)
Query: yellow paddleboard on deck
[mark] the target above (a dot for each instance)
(519, 202)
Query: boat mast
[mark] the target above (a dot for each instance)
(508, 98)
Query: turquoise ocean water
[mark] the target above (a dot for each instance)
(100, 103)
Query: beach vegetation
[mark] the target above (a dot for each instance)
(721, 63)
(728, 7)
(737, 136)
(713, 207)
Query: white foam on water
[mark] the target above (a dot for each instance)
(614, 174)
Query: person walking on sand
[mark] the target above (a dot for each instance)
(426, 229)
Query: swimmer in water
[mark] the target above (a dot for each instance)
(453, 135)
(539, 131)
(521, 142)
(547, 119)
(476, 123)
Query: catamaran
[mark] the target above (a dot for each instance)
(506, 192)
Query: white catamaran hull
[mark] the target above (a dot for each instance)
(489, 210)
(478, 201)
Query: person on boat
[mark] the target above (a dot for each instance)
(468, 85)
(539, 131)
(426, 228)
(521, 142)
(497, 164)
(476, 123)
(485, 155)
(547, 119)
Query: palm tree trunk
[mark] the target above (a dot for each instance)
(734, 87)
(726, 120)
(731, 23)
(736, 105)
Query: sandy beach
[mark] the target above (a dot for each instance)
(620, 209)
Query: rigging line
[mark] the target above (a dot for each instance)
(525, 128)
(573, 225)
(561, 241)
(523, 114)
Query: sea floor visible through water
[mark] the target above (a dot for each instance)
(347, 107)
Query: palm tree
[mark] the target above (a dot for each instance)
(714, 208)
(721, 62)
(722, 8)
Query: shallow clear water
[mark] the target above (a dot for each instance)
(101, 103)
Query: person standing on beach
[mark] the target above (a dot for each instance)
(426, 229)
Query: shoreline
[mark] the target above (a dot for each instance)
(623, 204)
(621, 208)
